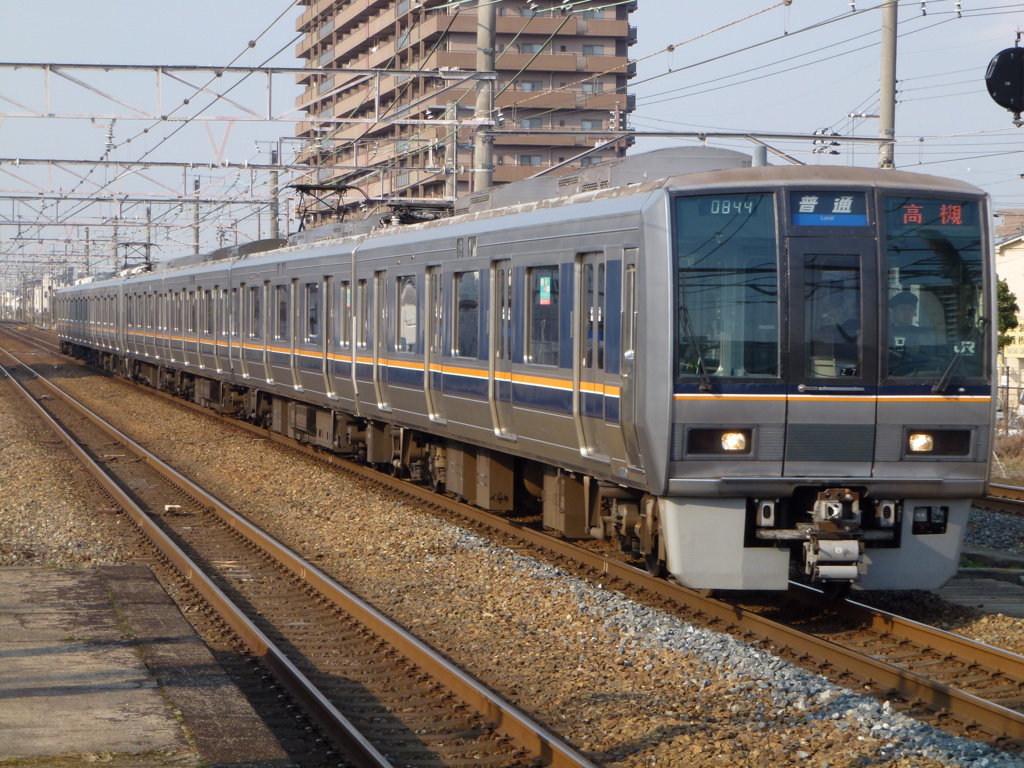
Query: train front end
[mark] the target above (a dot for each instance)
(832, 401)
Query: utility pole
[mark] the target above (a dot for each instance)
(275, 207)
(452, 151)
(887, 85)
(195, 218)
(483, 142)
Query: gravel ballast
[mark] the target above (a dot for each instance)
(629, 684)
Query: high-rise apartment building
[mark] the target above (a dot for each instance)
(563, 68)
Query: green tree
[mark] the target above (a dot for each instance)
(1007, 313)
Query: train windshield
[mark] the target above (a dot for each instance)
(935, 289)
(727, 291)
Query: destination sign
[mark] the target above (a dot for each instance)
(828, 209)
(905, 215)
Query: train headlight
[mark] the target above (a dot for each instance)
(718, 442)
(939, 443)
(920, 442)
(734, 441)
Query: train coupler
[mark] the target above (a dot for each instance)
(832, 559)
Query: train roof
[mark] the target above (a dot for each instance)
(677, 169)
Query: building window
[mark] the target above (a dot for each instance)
(529, 159)
(593, 50)
(592, 125)
(591, 160)
(592, 86)
(531, 47)
(531, 122)
(531, 85)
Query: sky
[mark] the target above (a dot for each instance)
(703, 66)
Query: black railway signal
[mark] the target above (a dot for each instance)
(1005, 81)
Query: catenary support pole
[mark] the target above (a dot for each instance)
(887, 85)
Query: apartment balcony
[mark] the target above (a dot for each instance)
(528, 141)
(568, 99)
(353, 14)
(315, 9)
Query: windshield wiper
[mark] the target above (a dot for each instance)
(691, 339)
(947, 376)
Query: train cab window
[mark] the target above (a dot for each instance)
(542, 318)
(935, 293)
(281, 313)
(311, 301)
(727, 286)
(407, 330)
(832, 319)
(465, 335)
(256, 312)
(345, 316)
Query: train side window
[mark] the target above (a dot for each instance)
(542, 315)
(312, 304)
(256, 312)
(436, 309)
(281, 316)
(407, 330)
(233, 313)
(363, 297)
(466, 333)
(208, 313)
(345, 315)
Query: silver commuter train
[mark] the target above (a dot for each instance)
(718, 368)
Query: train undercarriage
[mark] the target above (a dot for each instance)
(818, 535)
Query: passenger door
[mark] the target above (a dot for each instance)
(832, 372)
(589, 343)
(433, 346)
(499, 383)
(380, 341)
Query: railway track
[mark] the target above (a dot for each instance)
(962, 686)
(381, 694)
(1004, 498)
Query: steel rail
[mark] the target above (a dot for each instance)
(333, 722)
(549, 748)
(1005, 498)
(995, 719)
